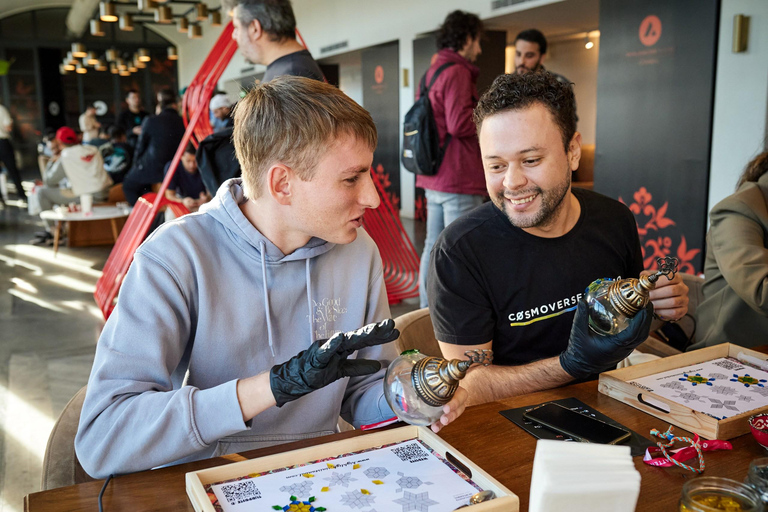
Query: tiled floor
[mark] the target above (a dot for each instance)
(49, 326)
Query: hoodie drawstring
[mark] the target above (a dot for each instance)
(263, 248)
(309, 305)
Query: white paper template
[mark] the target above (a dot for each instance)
(721, 388)
(401, 477)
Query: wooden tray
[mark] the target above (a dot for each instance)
(505, 501)
(616, 384)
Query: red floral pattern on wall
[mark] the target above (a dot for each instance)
(383, 177)
(651, 221)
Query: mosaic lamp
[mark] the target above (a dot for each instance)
(417, 386)
(614, 302)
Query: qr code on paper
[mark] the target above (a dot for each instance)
(241, 492)
(410, 453)
(729, 365)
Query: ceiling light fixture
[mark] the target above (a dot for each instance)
(195, 32)
(163, 14)
(80, 69)
(97, 28)
(144, 55)
(78, 50)
(147, 5)
(172, 55)
(111, 55)
(182, 24)
(215, 17)
(92, 59)
(126, 22)
(202, 11)
(107, 12)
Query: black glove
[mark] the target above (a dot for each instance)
(325, 361)
(588, 352)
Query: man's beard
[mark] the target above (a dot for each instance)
(525, 70)
(551, 204)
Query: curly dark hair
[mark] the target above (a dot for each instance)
(533, 36)
(518, 92)
(456, 28)
(754, 170)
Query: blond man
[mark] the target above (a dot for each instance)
(235, 327)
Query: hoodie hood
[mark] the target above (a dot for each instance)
(225, 208)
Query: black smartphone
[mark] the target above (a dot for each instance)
(578, 426)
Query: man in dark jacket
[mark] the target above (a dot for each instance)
(160, 138)
(459, 185)
(130, 119)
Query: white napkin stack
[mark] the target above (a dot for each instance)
(583, 477)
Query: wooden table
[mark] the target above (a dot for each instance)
(111, 213)
(491, 441)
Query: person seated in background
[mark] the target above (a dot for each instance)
(510, 274)
(89, 125)
(102, 137)
(221, 341)
(78, 170)
(117, 154)
(735, 305)
(160, 138)
(221, 108)
(186, 185)
(46, 151)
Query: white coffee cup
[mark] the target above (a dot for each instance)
(86, 203)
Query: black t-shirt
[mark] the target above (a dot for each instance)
(298, 63)
(489, 280)
(127, 120)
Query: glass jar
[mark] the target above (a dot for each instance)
(710, 494)
(401, 394)
(604, 318)
(757, 477)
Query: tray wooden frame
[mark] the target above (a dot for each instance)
(615, 384)
(196, 481)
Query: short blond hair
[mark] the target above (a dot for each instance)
(293, 120)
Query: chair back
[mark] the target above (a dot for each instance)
(416, 332)
(60, 465)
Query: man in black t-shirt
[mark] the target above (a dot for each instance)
(130, 119)
(265, 32)
(511, 274)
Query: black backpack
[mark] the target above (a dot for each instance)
(422, 153)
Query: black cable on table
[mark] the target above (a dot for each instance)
(104, 488)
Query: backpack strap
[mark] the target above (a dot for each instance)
(422, 89)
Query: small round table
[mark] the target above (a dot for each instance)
(98, 213)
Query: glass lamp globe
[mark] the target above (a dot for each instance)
(613, 303)
(417, 387)
(401, 394)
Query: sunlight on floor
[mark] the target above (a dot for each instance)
(34, 300)
(23, 285)
(26, 425)
(71, 282)
(65, 261)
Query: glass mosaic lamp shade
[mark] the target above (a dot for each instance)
(417, 387)
(614, 302)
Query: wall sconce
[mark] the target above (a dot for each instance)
(215, 17)
(195, 32)
(92, 59)
(126, 22)
(147, 5)
(740, 33)
(78, 50)
(589, 44)
(144, 55)
(107, 12)
(80, 69)
(163, 14)
(97, 28)
(202, 11)
(182, 25)
(172, 55)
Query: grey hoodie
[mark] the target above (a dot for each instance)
(209, 300)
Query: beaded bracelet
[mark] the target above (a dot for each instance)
(695, 443)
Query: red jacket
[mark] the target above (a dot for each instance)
(453, 97)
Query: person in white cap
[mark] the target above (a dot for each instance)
(221, 109)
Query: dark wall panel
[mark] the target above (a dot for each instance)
(654, 119)
(381, 97)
